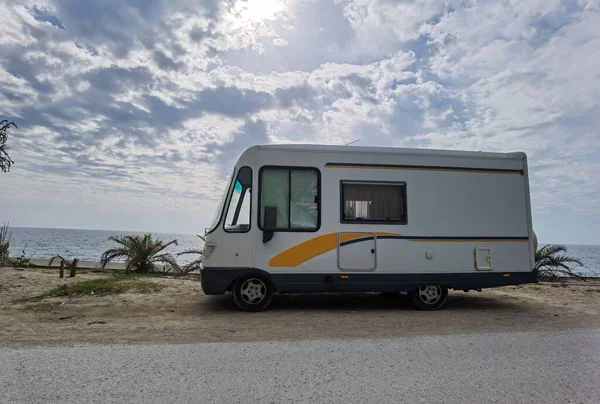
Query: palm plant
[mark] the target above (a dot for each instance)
(552, 262)
(141, 253)
(196, 263)
(5, 236)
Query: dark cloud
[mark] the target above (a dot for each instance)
(109, 22)
(16, 64)
(121, 24)
(197, 34)
(231, 101)
(165, 62)
(11, 95)
(117, 78)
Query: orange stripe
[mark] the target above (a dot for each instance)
(300, 253)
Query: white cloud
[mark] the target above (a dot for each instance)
(150, 105)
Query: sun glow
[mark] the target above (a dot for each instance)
(258, 10)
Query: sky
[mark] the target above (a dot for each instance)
(131, 113)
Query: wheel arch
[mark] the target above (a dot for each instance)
(253, 271)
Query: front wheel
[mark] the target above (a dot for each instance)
(252, 293)
(429, 297)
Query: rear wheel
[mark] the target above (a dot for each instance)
(429, 297)
(252, 293)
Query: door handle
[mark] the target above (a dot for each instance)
(372, 251)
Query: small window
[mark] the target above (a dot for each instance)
(238, 213)
(374, 202)
(295, 194)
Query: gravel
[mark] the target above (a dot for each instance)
(556, 367)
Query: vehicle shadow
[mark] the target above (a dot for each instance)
(332, 302)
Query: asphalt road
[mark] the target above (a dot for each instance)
(492, 368)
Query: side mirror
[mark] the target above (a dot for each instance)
(270, 223)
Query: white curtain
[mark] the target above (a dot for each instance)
(297, 209)
(303, 208)
(275, 191)
(373, 201)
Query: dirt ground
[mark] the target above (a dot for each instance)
(181, 313)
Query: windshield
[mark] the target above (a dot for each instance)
(217, 216)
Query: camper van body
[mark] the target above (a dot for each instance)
(303, 218)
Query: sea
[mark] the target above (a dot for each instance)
(88, 245)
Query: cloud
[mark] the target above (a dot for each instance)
(43, 15)
(149, 103)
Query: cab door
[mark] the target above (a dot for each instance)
(288, 217)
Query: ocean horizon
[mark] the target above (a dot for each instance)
(89, 244)
(85, 244)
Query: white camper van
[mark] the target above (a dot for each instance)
(304, 218)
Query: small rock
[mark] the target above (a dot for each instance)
(556, 315)
(231, 330)
(97, 322)
(65, 317)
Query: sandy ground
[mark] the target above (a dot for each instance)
(181, 313)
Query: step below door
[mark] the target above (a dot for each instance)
(357, 251)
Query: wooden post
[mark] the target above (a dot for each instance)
(62, 269)
(74, 268)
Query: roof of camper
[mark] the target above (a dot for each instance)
(388, 150)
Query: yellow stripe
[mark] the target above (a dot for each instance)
(300, 253)
(457, 170)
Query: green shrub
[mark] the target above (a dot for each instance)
(104, 286)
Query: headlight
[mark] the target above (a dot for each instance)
(209, 248)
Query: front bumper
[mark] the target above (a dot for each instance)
(218, 281)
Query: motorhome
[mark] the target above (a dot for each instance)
(311, 218)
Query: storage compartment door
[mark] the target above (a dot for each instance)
(483, 259)
(357, 251)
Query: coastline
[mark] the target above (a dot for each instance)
(43, 263)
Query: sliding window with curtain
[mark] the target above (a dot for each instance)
(374, 202)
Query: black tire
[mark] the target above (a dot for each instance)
(429, 297)
(252, 292)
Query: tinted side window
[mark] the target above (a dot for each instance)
(369, 202)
